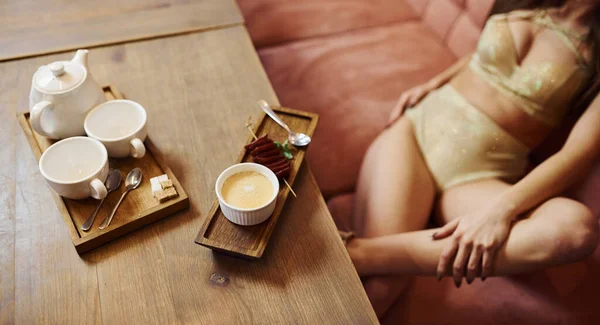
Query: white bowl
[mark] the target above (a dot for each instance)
(247, 217)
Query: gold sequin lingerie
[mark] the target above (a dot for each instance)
(459, 142)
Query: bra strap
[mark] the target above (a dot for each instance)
(546, 20)
(518, 15)
(566, 35)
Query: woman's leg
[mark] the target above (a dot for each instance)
(395, 194)
(559, 231)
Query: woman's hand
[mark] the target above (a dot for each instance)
(474, 243)
(411, 98)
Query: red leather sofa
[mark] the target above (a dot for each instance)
(349, 60)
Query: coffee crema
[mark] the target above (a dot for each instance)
(247, 190)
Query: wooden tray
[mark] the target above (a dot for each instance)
(220, 234)
(137, 210)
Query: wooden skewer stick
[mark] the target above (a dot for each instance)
(288, 186)
(248, 126)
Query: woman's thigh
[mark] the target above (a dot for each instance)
(466, 198)
(395, 191)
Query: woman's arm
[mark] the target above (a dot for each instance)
(412, 96)
(445, 76)
(561, 170)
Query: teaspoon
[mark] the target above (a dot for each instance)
(112, 183)
(297, 139)
(132, 181)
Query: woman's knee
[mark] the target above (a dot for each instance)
(576, 229)
(384, 288)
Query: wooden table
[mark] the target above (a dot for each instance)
(34, 27)
(199, 90)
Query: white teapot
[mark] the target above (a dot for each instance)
(62, 93)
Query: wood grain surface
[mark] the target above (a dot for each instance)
(139, 208)
(250, 241)
(33, 27)
(199, 90)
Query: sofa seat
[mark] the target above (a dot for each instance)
(349, 60)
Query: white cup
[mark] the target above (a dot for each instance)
(76, 168)
(247, 217)
(120, 125)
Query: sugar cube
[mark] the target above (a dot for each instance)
(171, 192)
(166, 184)
(155, 184)
(161, 196)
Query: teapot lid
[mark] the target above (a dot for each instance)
(59, 76)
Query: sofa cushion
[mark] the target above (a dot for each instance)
(561, 295)
(456, 22)
(273, 22)
(353, 81)
(476, 10)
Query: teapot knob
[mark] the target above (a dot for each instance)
(57, 69)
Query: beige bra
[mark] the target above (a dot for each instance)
(543, 90)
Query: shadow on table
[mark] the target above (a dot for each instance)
(141, 237)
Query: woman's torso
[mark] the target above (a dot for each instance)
(536, 87)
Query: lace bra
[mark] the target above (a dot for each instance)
(544, 89)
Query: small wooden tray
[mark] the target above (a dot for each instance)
(220, 234)
(137, 210)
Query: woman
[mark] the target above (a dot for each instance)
(462, 150)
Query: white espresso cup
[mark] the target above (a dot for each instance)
(120, 125)
(76, 168)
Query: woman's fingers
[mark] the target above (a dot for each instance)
(473, 266)
(402, 102)
(397, 111)
(487, 263)
(394, 115)
(410, 97)
(460, 262)
(446, 258)
(446, 230)
(417, 95)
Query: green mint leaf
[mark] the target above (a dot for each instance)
(288, 155)
(277, 144)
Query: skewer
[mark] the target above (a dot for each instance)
(288, 186)
(248, 126)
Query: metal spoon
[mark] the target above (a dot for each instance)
(297, 139)
(112, 183)
(132, 181)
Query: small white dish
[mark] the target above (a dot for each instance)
(247, 217)
(120, 125)
(76, 168)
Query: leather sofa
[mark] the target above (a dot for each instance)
(349, 60)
